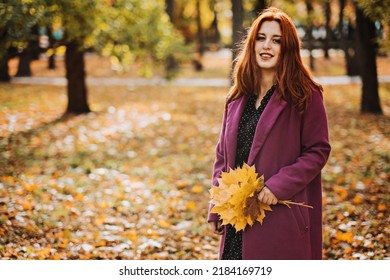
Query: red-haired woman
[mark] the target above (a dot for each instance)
(275, 119)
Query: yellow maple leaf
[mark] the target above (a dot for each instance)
(197, 189)
(219, 194)
(226, 212)
(263, 207)
(347, 236)
(240, 224)
(164, 223)
(229, 178)
(191, 205)
(236, 198)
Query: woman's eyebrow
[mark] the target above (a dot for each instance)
(275, 35)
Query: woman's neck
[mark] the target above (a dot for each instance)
(267, 81)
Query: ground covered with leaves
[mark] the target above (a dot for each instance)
(131, 179)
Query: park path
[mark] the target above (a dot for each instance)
(192, 82)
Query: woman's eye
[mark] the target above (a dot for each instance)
(276, 41)
(260, 38)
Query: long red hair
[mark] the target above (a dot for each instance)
(293, 81)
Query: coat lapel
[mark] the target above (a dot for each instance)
(268, 118)
(234, 113)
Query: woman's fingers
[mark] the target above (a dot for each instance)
(220, 228)
(267, 197)
(217, 227)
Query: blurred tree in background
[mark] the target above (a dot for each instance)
(368, 14)
(379, 12)
(168, 32)
(126, 30)
(17, 19)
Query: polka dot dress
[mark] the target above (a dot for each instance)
(246, 131)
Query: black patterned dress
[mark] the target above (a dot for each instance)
(246, 131)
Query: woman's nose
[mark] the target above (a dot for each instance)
(266, 44)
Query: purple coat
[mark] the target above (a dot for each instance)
(290, 149)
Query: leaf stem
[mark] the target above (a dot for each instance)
(288, 202)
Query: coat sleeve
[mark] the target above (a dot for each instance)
(219, 164)
(315, 149)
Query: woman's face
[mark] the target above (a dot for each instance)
(267, 46)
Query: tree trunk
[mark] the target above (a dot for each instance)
(171, 65)
(34, 43)
(347, 43)
(259, 6)
(366, 48)
(4, 70)
(30, 53)
(309, 31)
(24, 69)
(238, 29)
(200, 36)
(351, 58)
(75, 74)
(169, 8)
(197, 62)
(216, 35)
(51, 61)
(328, 13)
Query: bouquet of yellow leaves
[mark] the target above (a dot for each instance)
(235, 199)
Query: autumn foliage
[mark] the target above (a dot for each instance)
(131, 179)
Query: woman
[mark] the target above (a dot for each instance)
(275, 119)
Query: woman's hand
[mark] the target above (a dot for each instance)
(267, 197)
(216, 227)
